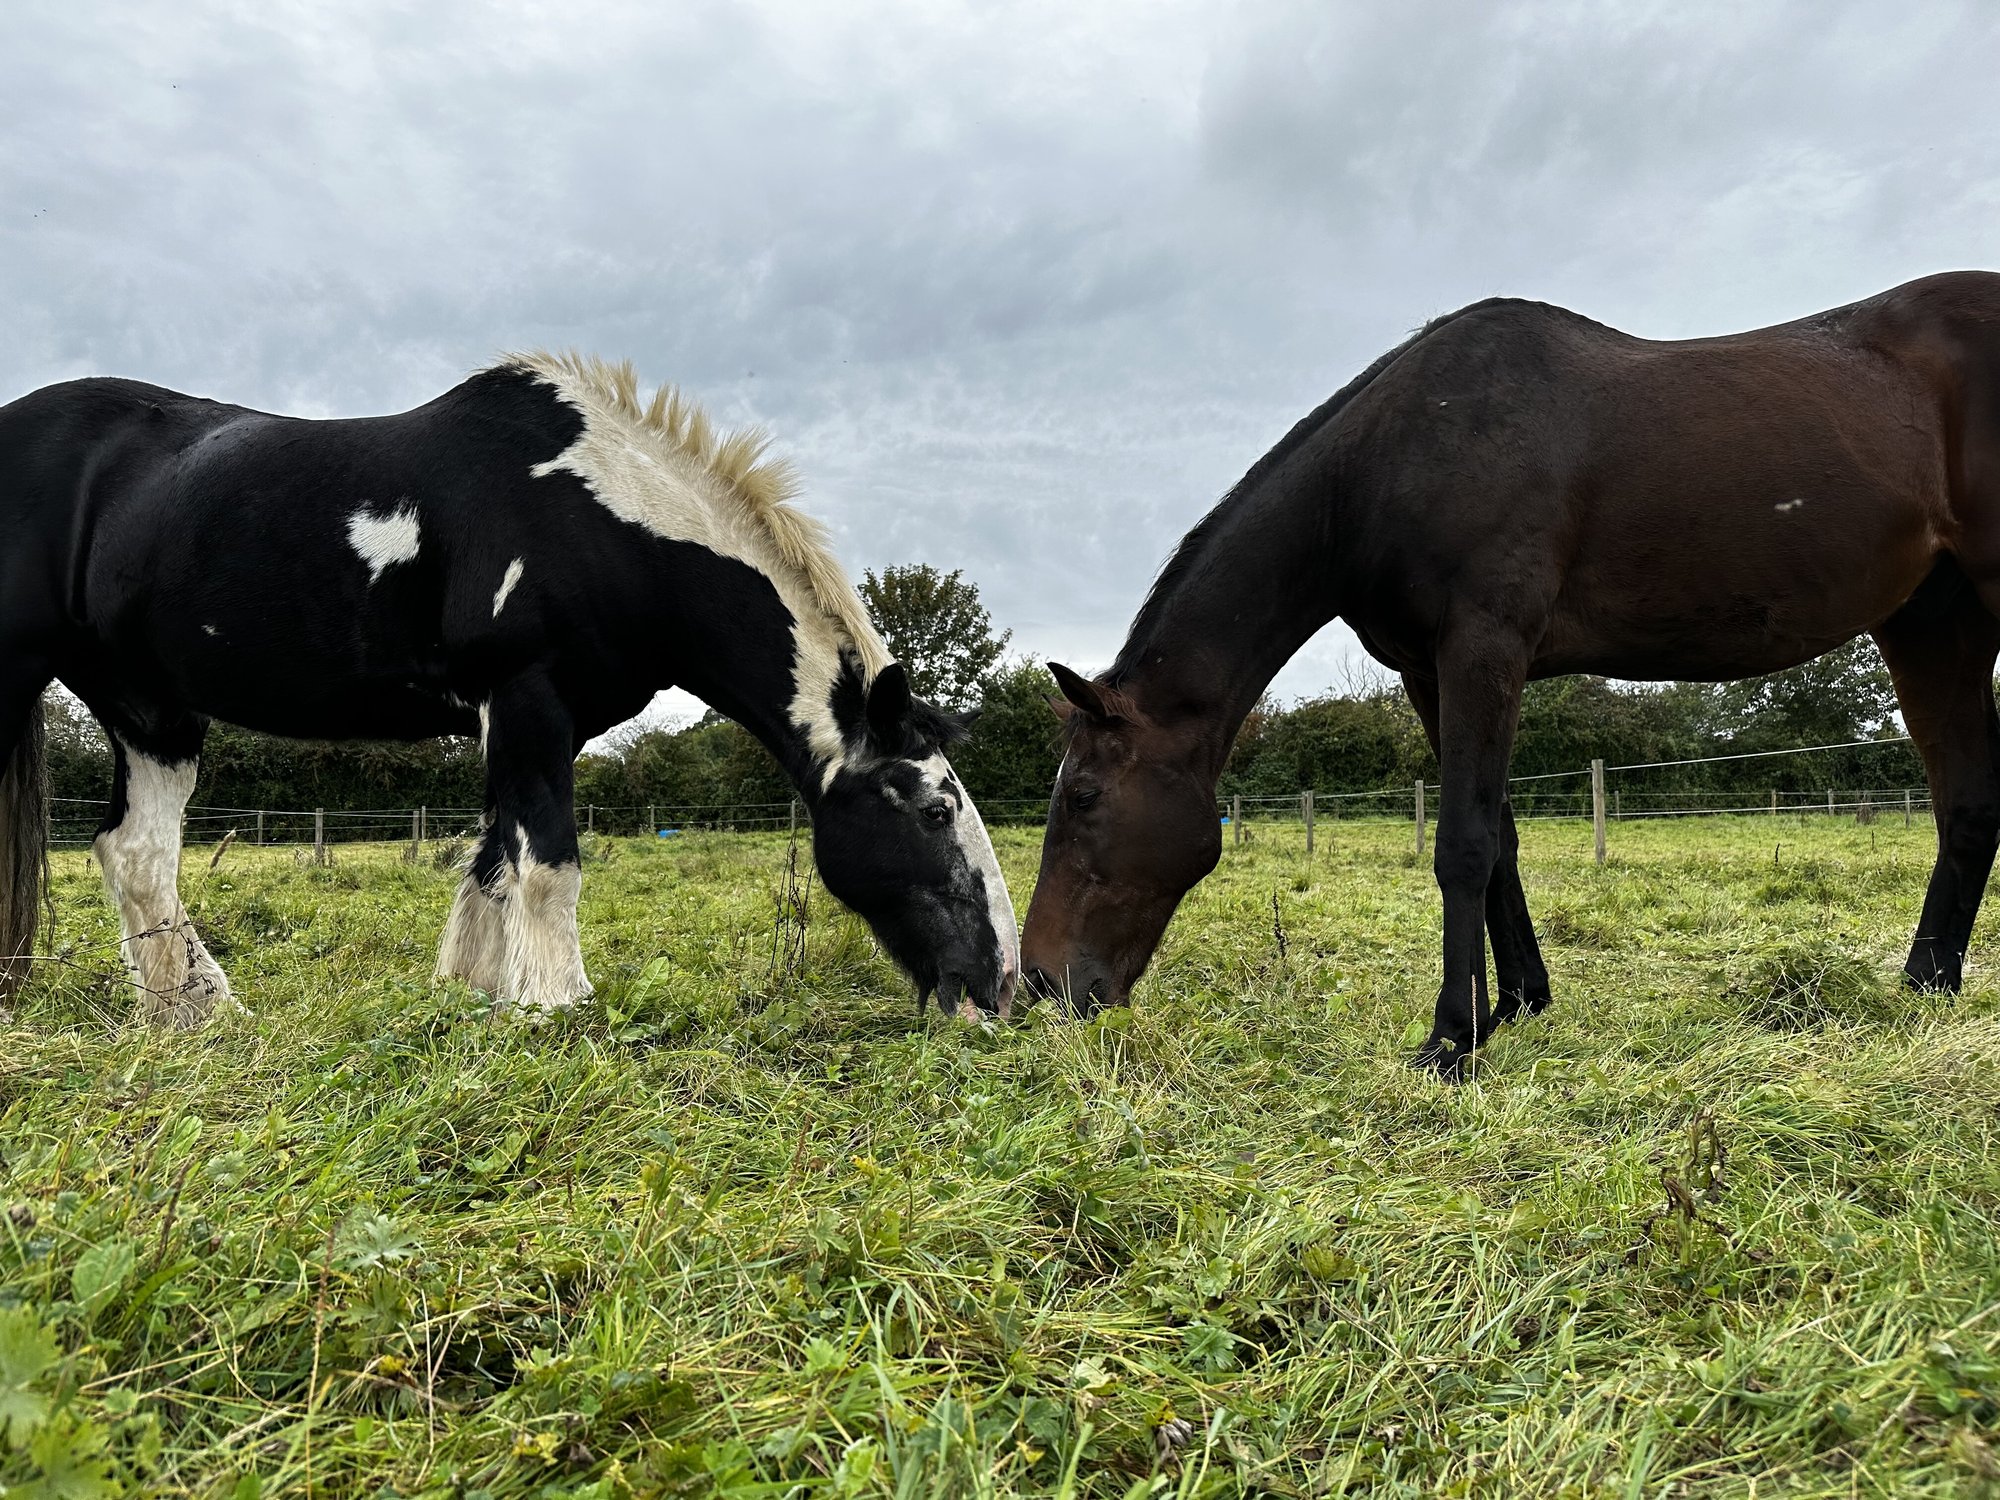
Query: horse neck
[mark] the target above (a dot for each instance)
(748, 671)
(1259, 583)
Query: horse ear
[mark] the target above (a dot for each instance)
(965, 720)
(1080, 691)
(889, 708)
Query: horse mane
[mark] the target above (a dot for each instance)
(762, 487)
(1195, 543)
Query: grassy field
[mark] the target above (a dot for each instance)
(1721, 1223)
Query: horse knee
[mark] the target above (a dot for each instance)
(1466, 861)
(1971, 829)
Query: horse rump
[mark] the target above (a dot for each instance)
(24, 845)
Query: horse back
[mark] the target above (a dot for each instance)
(1625, 494)
(181, 537)
(61, 448)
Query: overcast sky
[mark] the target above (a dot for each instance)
(1022, 288)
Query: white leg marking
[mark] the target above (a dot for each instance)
(977, 847)
(475, 938)
(507, 581)
(544, 963)
(178, 982)
(383, 541)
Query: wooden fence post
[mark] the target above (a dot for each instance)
(260, 825)
(1597, 805)
(1774, 802)
(423, 821)
(1309, 824)
(795, 817)
(590, 817)
(1420, 820)
(416, 835)
(1236, 820)
(1906, 807)
(1829, 802)
(652, 822)
(319, 835)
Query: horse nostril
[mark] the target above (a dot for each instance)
(1039, 983)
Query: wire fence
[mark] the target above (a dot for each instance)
(1589, 794)
(1598, 793)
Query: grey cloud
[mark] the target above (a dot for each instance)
(1022, 288)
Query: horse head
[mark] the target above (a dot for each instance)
(1131, 829)
(896, 838)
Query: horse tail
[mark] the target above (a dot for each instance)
(24, 849)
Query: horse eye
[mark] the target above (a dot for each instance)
(937, 812)
(1084, 796)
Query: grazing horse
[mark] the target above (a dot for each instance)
(527, 558)
(1518, 492)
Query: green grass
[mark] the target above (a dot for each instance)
(1722, 1222)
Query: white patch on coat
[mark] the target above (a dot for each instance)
(485, 722)
(384, 541)
(1788, 505)
(177, 981)
(208, 630)
(543, 967)
(507, 581)
(663, 466)
(977, 848)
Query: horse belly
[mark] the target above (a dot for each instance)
(1742, 584)
(338, 708)
(282, 649)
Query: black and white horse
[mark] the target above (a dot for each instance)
(528, 558)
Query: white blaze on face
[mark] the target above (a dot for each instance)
(970, 830)
(384, 541)
(507, 581)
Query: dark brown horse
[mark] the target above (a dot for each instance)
(1518, 492)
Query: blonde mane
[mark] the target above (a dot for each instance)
(761, 489)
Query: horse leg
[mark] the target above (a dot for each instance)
(1479, 699)
(530, 765)
(1519, 973)
(138, 847)
(1941, 661)
(474, 948)
(1518, 969)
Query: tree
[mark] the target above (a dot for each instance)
(1841, 696)
(1014, 751)
(937, 628)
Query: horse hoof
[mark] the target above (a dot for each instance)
(1526, 1000)
(1928, 979)
(1451, 1063)
(534, 1014)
